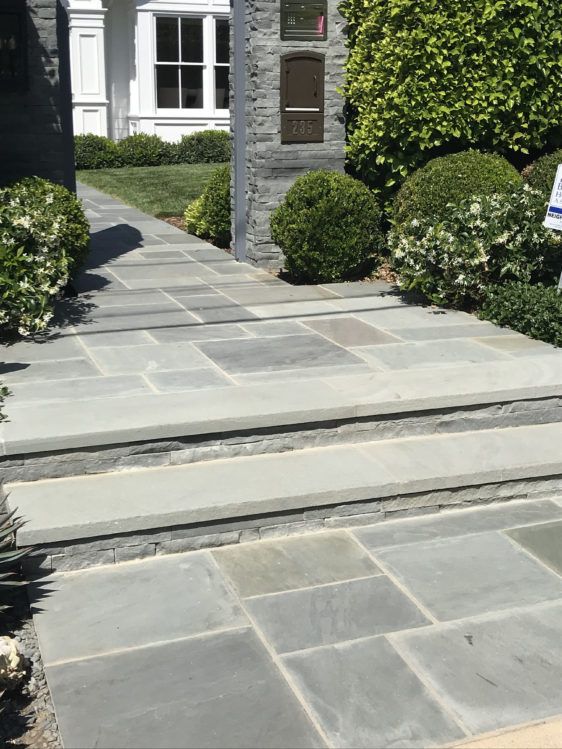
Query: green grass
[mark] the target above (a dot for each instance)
(157, 190)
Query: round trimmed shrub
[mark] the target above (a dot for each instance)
(43, 239)
(143, 149)
(541, 173)
(449, 180)
(328, 226)
(95, 152)
(205, 147)
(208, 216)
(484, 240)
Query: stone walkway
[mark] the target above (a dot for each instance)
(412, 633)
(161, 315)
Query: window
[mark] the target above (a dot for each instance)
(192, 62)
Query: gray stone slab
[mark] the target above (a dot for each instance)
(364, 696)
(391, 313)
(217, 691)
(429, 354)
(274, 566)
(135, 317)
(52, 348)
(494, 672)
(517, 345)
(214, 308)
(360, 289)
(63, 369)
(110, 608)
(184, 240)
(154, 271)
(267, 294)
(269, 329)
(156, 227)
(103, 299)
(90, 339)
(292, 375)
(150, 358)
(163, 255)
(266, 355)
(333, 613)
(470, 575)
(186, 278)
(209, 253)
(201, 332)
(474, 329)
(543, 541)
(194, 379)
(294, 310)
(79, 389)
(458, 523)
(348, 331)
(227, 268)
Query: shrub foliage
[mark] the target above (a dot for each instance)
(145, 150)
(43, 239)
(442, 74)
(327, 227)
(205, 147)
(208, 216)
(451, 179)
(535, 311)
(96, 152)
(483, 240)
(542, 172)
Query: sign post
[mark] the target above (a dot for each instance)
(553, 219)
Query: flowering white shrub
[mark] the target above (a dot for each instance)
(43, 238)
(480, 241)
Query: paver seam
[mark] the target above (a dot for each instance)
(331, 583)
(276, 659)
(498, 733)
(87, 352)
(149, 383)
(526, 551)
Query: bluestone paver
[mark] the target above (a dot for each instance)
(348, 331)
(364, 696)
(216, 691)
(60, 369)
(470, 575)
(333, 613)
(496, 671)
(188, 379)
(148, 358)
(273, 566)
(472, 329)
(543, 541)
(429, 354)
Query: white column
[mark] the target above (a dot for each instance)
(88, 66)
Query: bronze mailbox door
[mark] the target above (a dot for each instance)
(302, 97)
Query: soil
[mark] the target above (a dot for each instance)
(176, 221)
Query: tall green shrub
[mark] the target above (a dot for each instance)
(425, 75)
(95, 152)
(540, 175)
(204, 147)
(208, 216)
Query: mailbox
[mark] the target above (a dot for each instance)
(304, 20)
(302, 97)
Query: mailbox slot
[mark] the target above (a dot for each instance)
(304, 20)
(302, 97)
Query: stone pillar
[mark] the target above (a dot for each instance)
(87, 53)
(272, 166)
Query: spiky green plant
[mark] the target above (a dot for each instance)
(10, 523)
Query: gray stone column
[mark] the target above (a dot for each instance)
(272, 167)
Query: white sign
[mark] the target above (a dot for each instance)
(553, 218)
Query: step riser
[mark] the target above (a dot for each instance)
(275, 440)
(101, 550)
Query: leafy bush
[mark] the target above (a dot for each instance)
(442, 75)
(205, 147)
(540, 175)
(43, 239)
(327, 226)
(4, 392)
(95, 152)
(481, 241)
(535, 311)
(451, 179)
(146, 150)
(208, 216)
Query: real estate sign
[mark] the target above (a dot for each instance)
(553, 218)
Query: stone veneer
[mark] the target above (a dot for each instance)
(36, 123)
(271, 168)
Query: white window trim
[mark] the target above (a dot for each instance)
(209, 61)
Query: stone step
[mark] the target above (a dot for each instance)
(58, 439)
(115, 516)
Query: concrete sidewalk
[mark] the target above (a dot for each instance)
(413, 633)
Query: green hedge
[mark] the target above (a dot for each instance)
(205, 147)
(542, 172)
(430, 75)
(328, 226)
(208, 216)
(146, 150)
(43, 239)
(96, 152)
(535, 311)
(451, 179)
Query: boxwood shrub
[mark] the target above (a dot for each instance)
(208, 216)
(542, 172)
(534, 310)
(43, 240)
(327, 226)
(143, 149)
(205, 147)
(96, 152)
(426, 193)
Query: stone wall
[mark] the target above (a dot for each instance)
(36, 123)
(272, 167)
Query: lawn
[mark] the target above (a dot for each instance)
(157, 190)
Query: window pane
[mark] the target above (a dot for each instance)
(192, 39)
(167, 40)
(167, 87)
(221, 40)
(221, 87)
(192, 87)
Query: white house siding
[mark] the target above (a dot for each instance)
(114, 58)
